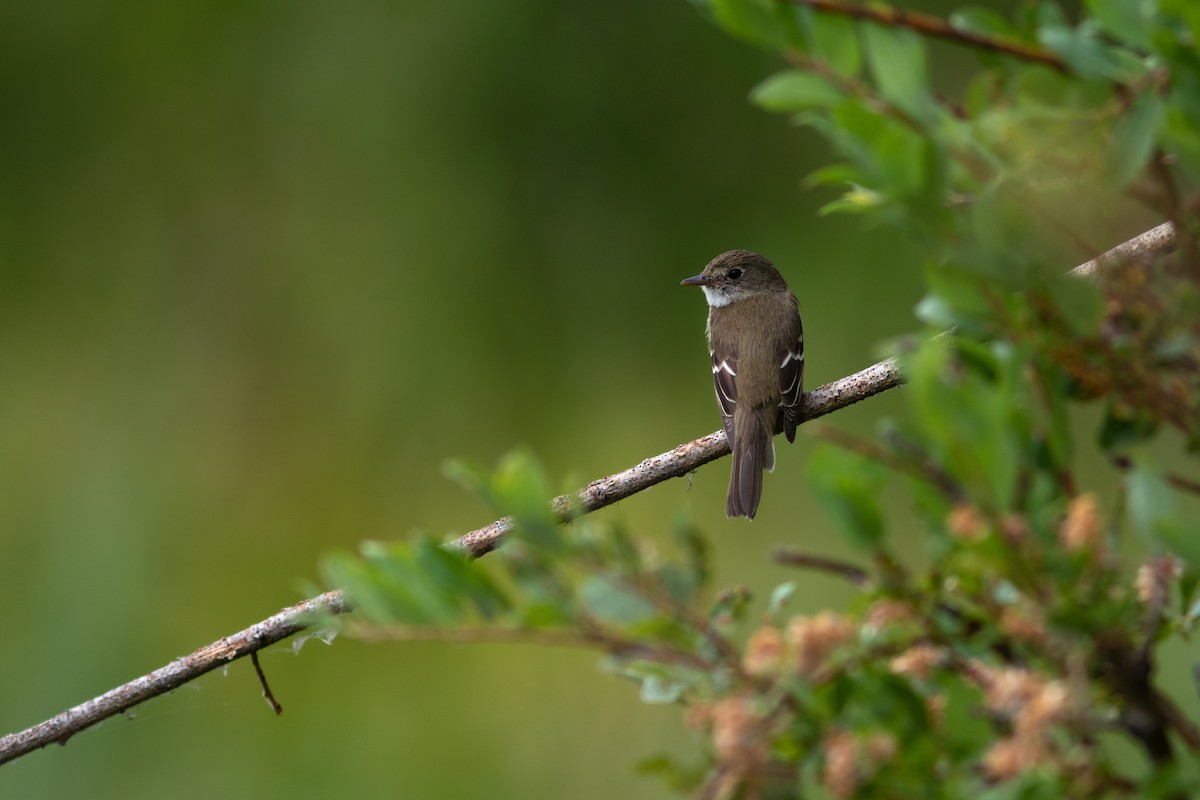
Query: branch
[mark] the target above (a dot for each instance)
(1154, 242)
(938, 28)
(596, 495)
(690, 456)
(286, 623)
(833, 566)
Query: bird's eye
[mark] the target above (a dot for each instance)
(733, 274)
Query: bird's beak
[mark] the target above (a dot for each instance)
(697, 280)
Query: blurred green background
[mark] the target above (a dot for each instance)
(265, 266)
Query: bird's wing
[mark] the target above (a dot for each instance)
(791, 380)
(725, 381)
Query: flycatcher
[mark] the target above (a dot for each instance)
(757, 347)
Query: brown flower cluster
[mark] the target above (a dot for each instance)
(1033, 704)
(803, 647)
(1154, 580)
(1081, 530)
(852, 760)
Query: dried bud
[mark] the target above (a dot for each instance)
(1024, 623)
(764, 653)
(698, 716)
(1015, 528)
(1049, 706)
(1030, 700)
(881, 747)
(1080, 529)
(966, 523)
(918, 661)
(849, 762)
(840, 774)
(935, 707)
(812, 639)
(1014, 756)
(1154, 579)
(885, 612)
(737, 735)
(1007, 690)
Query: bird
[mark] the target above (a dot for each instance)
(756, 341)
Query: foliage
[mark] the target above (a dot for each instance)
(1014, 662)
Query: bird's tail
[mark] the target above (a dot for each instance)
(753, 451)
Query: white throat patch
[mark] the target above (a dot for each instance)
(716, 297)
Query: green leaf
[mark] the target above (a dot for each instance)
(1129, 21)
(520, 488)
(471, 476)
(832, 174)
(1152, 510)
(859, 200)
(969, 399)
(457, 575)
(835, 42)
(729, 605)
(422, 597)
(611, 602)
(1134, 139)
(849, 486)
(794, 90)
(955, 300)
(1085, 54)
(751, 20)
(897, 160)
(657, 690)
(780, 596)
(988, 21)
(898, 62)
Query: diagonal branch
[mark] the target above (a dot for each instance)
(937, 28)
(596, 495)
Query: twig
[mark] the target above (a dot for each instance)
(937, 28)
(1174, 717)
(59, 729)
(842, 569)
(692, 455)
(598, 494)
(267, 694)
(590, 636)
(1124, 464)
(907, 459)
(1154, 242)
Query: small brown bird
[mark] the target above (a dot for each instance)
(757, 345)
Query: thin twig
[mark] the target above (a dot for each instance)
(937, 28)
(286, 623)
(842, 569)
(907, 458)
(267, 694)
(1124, 464)
(1157, 241)
(589, 637)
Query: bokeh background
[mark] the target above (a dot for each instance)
(265, 266)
